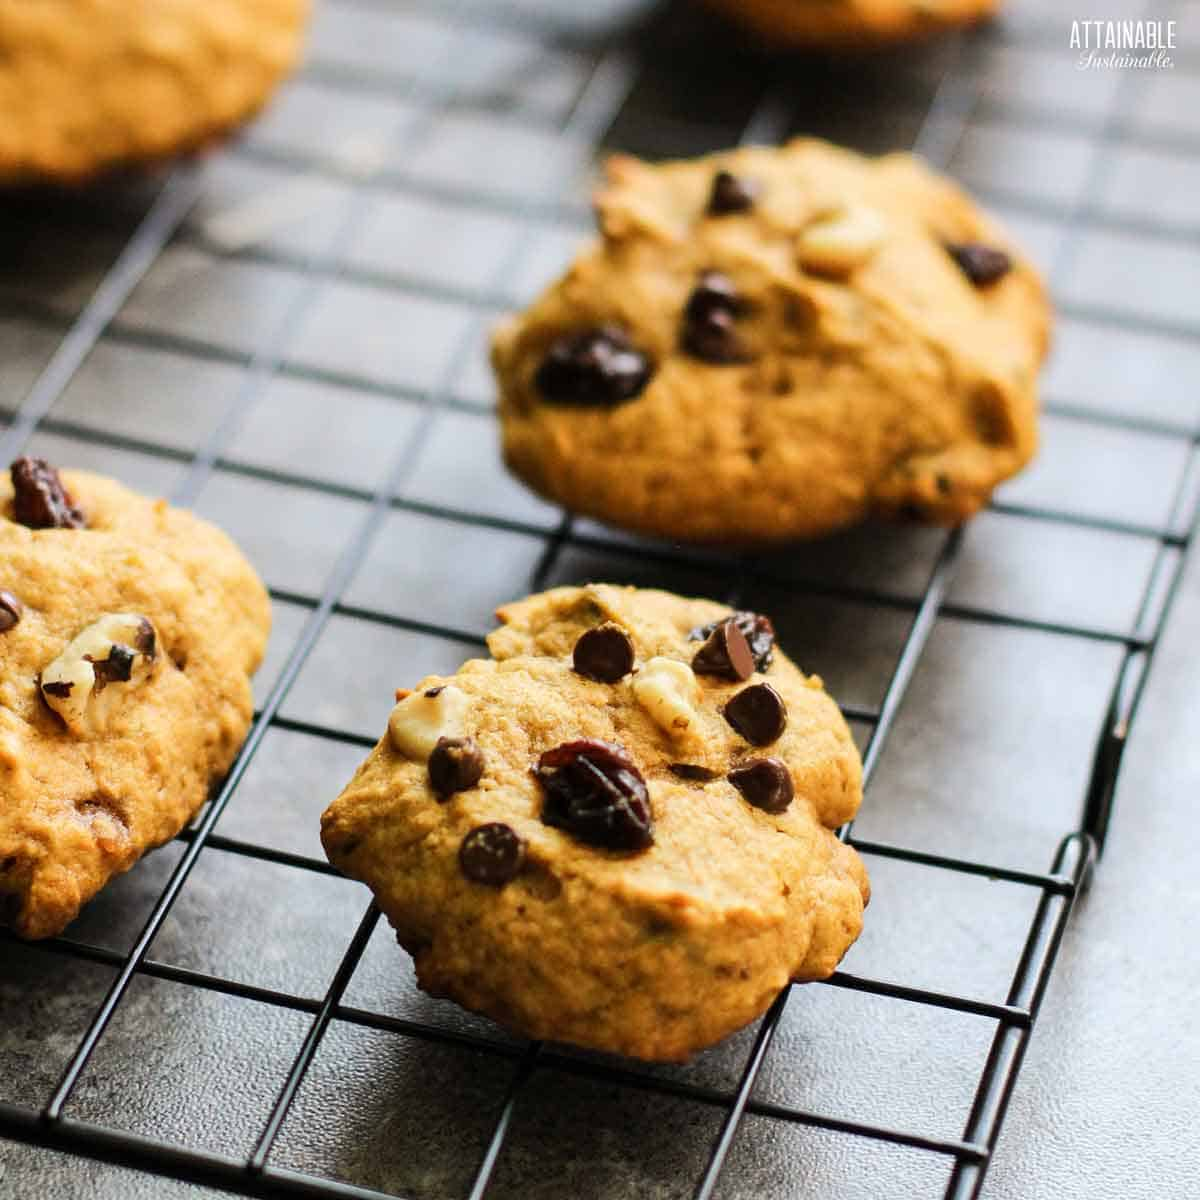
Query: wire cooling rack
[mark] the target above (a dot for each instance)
(289, 336)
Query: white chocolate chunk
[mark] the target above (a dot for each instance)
(667, 689)
(841, 240)
(420, 719)
(96, 670)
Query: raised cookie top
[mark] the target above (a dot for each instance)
(629, 731)
(768, 317)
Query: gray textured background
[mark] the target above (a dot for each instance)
(993, 745)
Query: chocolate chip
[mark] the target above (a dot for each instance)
(756, 629)
(455, 764)
(731, 194)
(493, 854)
(725, 653)
(758, 713)
(11, 611)
(116, 668)
(598, 367)
(144, 642)
(604, 653)
(980, 264)
(709, 330)
(62, 690)
(766, 783)
(596, 793)
(39, 499)
(692, 771)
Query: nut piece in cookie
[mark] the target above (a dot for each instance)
(775, 343)
(621, 869)
(128, 634)
(116, 649)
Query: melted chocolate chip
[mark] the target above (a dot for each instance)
(604, 653)
(493, 854)
(455, 765)
(725, 653)
(756, 629)
(596, 367)
(731, 194)
(766, 783)
(692, 771)
(11, 611)
(39, 499)
(596, 793)
(709, 330)
(62, 690)
(980, 264)
(116, 668)
(758, 713)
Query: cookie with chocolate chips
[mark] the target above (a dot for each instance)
(770, 344)
(128, 633)
(643, 852)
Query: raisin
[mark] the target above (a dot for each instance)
(594, 791)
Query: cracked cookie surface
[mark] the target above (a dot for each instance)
(125, 658)
(852, 24)
(87, 85)
(573, 838)
(769, 344)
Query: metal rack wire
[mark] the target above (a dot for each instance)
(616, 69)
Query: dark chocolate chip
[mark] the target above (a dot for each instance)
(116, 668)
(692, 771)
(709, 330)
(431, 693)
(144, 640)
(11, 611)
(598, 367)
(980, 264)
(596, 793)
(62, 690)
(493, 854)
(731, 194)
(39, 499)
(713, 292)
(725, 653)
(758, 713)
(766, 783)
(604, 653)
(756, 629)
(455, 765)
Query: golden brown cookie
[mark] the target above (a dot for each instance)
(86, 85)
(768, 344)
(851, 24)
(128, 632)
(616, 831)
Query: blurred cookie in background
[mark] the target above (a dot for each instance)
(851, 24)
(89, 85)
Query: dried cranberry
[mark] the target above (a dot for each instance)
(756, 629)
(596, 793)
(40, 501)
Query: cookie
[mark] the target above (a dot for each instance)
(88, 85)
(851, 24)
(128, 632)
(770, 344)
(618, 830)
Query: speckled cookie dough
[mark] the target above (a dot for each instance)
(618, 830)
(851, 24)
(128, 633)
(770, 344)
(87, 85)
